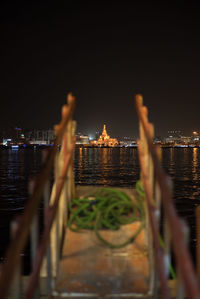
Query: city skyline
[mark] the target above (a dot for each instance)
(13, 132)
(104, 54)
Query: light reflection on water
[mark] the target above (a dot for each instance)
(103, 167)
(195, 164)
(106, 166)
(16, 167)
(120, 167)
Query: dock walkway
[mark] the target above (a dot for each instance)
(67, 264)
(89, 269)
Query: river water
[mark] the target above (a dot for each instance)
(99, 166)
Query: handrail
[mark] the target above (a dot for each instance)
(50, 215)
(182, 255)
(152, 209)
(12, 257)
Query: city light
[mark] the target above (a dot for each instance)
(15, 147)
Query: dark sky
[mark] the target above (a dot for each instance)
(104, 52)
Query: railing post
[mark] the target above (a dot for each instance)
(66, 146)
(148, 172)
(72, 162)
(61, 215)
(13, 252)
(55, 228)
(70, 175)
(157, 188)
(148, 165)
(180, 249)
(143, 141)
(157, 200)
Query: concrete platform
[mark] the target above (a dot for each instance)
(89, 269)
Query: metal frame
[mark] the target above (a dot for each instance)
(64, 138)
(46, 254)
(174, 227)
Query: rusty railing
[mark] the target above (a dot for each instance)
(157, 187)
(45, 254)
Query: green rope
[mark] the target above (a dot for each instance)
(108, 209)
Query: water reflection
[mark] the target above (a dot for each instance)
(15, 169)
(186, 156)
(80, 160)
(107, 166)
(105, 158)
(195, 164)
(102, 166)
(172, 163)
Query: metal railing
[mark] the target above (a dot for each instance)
(46, 252)
(157, 187)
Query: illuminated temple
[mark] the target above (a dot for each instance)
(105, 140)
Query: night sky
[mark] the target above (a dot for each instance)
(104, 52)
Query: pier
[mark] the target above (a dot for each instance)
(68, 264)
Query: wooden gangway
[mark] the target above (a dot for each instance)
(90, 269)
(67, 264)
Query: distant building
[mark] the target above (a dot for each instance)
(13, 136)
(158, 140)
(40, 136)
(177, 137)
(105, 140)
(185, 139)
(82, 139)
(127, 142)
(174, 136)
(175, 133)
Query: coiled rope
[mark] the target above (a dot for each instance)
(107, 208)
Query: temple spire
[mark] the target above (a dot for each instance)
(104, 132)
(105, 140)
